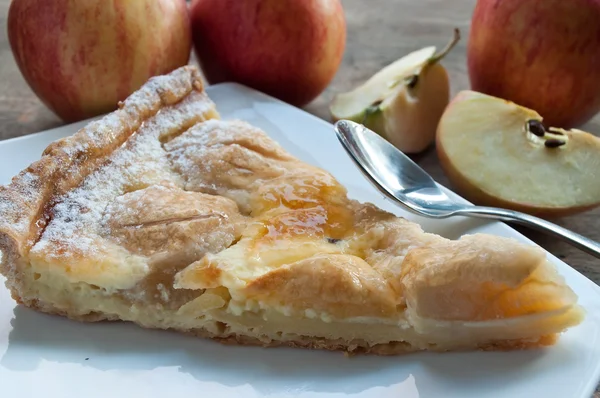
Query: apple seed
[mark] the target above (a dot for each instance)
(411, 81)
(536, 127)
(554, 143)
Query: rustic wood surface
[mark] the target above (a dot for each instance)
(379, 31)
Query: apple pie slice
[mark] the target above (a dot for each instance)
(164, 215)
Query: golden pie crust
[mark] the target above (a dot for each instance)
(163, 214)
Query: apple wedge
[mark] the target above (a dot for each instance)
(498, 153)
(404, 101)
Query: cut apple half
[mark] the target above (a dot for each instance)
(404, 101)
(498, 153)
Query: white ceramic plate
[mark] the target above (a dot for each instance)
(49, 356)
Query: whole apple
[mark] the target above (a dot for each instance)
(82, 57)
(290, 49)
(544, 55)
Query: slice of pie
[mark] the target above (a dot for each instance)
(164, 215)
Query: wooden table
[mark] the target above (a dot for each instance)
(379, 31)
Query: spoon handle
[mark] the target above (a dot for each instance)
(579, 241)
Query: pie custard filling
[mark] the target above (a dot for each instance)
(165, 215)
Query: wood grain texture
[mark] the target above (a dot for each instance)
(379, 32)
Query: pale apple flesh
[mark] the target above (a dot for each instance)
(354, 104)
(390, 105)
(410, 119)
(403, 102)
(491, 159)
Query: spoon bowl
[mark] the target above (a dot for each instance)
(406, 183)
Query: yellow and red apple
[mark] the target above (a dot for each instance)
(544, 55)
(82, 57)
(289, 49)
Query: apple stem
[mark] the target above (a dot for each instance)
(437, 57)
(411, 81)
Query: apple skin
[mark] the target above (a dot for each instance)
(290, 49)
(544, 55)
(82, 57)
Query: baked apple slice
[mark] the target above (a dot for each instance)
(498, 153)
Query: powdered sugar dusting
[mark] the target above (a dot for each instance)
(186, 149)
(140, 162)
(196, 140)
(211, 132)
(11, 211)
(76, 218)
(20, 201)
(195, 104)
(160, 90)
(169, 87)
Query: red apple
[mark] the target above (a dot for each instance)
(82, 57)
(544, 55)
(290, 49)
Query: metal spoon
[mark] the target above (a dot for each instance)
(402, 180)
